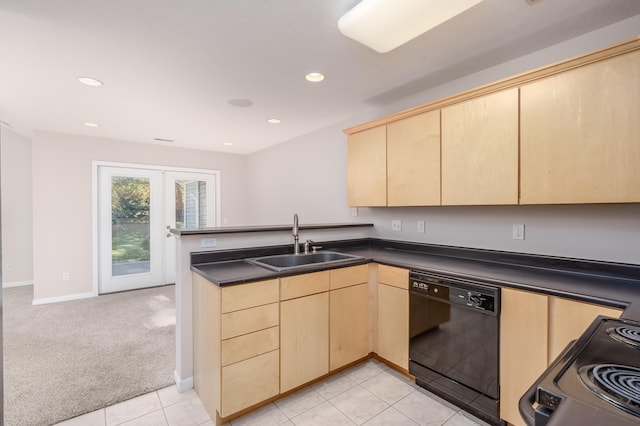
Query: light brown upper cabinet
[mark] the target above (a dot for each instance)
(367, 167)
(480, 150)
(580, 134)
(413, 161)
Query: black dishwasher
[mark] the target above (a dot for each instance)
(454, 329)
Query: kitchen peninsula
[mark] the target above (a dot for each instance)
(608, 287)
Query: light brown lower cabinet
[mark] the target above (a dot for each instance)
(304, 328)
(393, 315)
(568, 319)
(255, 341)
(524, 326)
(304, 339)
(348, 315)
(235, 345)
(249, 382)
(348, 325)
(535, 328)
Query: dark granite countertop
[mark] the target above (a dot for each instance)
(607, 283)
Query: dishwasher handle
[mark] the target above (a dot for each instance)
(540, 416)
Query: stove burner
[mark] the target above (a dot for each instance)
(617, 384)
(628, 335)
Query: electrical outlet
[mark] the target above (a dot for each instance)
(208, 242)
(65, 276)
(518, 232)
(421, 226)
(396, 225)
(354, 211)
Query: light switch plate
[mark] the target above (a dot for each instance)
(396, 225)
(420, 226)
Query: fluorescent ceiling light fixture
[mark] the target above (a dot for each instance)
(228, 144)
(274, 121)
(384, 25)
(314, 77)
(90, 124)
(90, 81)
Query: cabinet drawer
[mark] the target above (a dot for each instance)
(304, 285)
(390, 275)
(345, 277)
(249, 345)
(243, 296)
(249, 320)
(249, 382)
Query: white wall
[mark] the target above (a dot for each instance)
(286, 178)
(306, 176)
(17, 236)
(62, 200)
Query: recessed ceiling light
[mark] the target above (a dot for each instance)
(90, 124)
(90, 81)
(274, 121)
(163, 140)
(240, 103)
(314, 77)
(228, 144)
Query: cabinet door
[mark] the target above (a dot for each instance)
(568, 319)
(249, 382)
(349, 325)
(480, 150)
(367, 167)
(304, 340)
(523, 347)
(206, 343)
(393, 325)
(580, 135)
(413, 161)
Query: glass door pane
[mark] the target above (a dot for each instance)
(130, 228)
(190, 203)
(131, 225)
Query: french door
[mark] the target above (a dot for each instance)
(135, 207)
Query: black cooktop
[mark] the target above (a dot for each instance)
(601, 370)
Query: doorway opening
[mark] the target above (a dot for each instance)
(135, 207)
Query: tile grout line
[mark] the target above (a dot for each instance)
(164, 414)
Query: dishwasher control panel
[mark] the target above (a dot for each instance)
(455, 291)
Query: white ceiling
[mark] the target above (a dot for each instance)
(170, 67)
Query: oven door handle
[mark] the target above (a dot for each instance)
(525, 404)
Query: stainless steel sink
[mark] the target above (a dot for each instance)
(284, 262)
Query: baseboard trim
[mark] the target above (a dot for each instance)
(183, 385)
(67, 298)
(17, 284)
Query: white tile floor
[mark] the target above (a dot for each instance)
(368, 394)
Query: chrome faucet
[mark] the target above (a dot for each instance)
(296, 246)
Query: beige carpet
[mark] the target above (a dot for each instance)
(69, 358)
